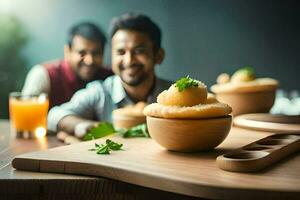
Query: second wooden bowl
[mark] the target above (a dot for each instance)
(189, 135)
(248, 102)
(123, 121)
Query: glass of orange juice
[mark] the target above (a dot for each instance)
(28, 114)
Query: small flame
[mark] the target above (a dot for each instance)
(40, 132)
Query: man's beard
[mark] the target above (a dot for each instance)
(136, 80)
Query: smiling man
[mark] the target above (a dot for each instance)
(136, 50)
(60, 79)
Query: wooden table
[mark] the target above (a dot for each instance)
(278, 182)
(16, 184)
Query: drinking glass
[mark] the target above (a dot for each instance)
(28, 114)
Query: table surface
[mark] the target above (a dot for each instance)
(83, 183)
(17, 184)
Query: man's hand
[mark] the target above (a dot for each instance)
(75, 125)
(66, 138)
(83, 128)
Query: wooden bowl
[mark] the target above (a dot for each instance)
(248, 102)
(123, 121)
(189, 135)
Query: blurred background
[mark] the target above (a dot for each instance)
(202, 38)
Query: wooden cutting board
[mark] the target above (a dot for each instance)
(143, 162)
(268, 122)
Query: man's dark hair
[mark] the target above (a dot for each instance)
(137, 22)
(89, 31)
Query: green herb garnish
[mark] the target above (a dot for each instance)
(107, 147)
(102, 130)
(105, 129)
(186, 82)
(249, 71)
(136, 131)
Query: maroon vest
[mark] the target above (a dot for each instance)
(64, 83)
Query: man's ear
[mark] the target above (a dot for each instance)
(66, 51)
(160, 55)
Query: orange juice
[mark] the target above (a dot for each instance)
(28, 113)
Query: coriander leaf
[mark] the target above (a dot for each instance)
(105, 148)
(247, 70)
(136, 131)
(243, 75)
(186, 82)
(113, 145)
(107, 141)
(97, 145)
(122, 131)
(102, 130)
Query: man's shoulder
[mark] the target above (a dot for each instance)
(43, 67)
(52, 67)
(95, 84)
(37, 70)
(52, 63)
(93, 91)
(110, 81)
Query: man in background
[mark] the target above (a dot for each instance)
(82, 63)
(136, 50)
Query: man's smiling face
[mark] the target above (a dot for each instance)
(85, 57)
(133, 56)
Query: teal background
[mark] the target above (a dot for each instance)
(202, 38)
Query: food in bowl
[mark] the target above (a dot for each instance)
(129, 116)
(187, 118)
(244, 92)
